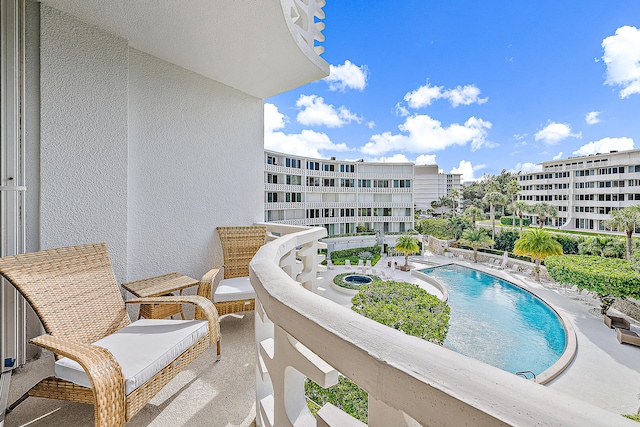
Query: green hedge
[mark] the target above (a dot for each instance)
(569, 243)
(438, 228)
(508, 220)
(354, 252)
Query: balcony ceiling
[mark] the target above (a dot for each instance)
(246, 44)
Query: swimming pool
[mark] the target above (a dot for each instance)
(499, 323)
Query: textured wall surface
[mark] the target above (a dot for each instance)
(83, 157)
(196, 153)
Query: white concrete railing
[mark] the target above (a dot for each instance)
(303, 14)
(301, 334)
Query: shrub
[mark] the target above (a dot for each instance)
(438, 228)
(505, 239)
(508, 220)
(569, 243)
(365, 255)
(610, 278)
(354, 252)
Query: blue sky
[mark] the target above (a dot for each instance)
(475, 87)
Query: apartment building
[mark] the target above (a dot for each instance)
(431, 185)
(585, 188)
(338, 195)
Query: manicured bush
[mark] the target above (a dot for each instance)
(508, 220)
(569, 243)
(438, 228)
(610, 278)
(505, 239)
(354, 252)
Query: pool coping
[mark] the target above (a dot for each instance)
(571, 340)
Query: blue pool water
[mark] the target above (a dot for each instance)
(357, 279)
(499, 323)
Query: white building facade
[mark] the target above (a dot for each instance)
(585, 189)
(342, 196)
(431, 185)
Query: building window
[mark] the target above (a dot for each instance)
(272, 197)
(271, 160)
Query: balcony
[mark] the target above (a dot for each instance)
(297, 333)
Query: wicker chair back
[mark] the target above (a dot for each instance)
(73, 290)
(239, 245)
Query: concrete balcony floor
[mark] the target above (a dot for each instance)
(604, 373)
(206, 393)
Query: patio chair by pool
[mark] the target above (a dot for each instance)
(101, 357)
(628, 337)
(234, 292)
(615, 322)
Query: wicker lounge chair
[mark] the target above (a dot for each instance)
(101, 357)
(628, 337)
(615, 322)
(234, 293)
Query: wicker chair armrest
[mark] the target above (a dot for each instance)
(210, 276)
(103, 370)
(205, 307)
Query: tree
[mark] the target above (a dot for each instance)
(458, 225)
(519, 208)
(603, 246)
(455, 195)
(473, 214)
(492, 199)
(513, 188)
(627, 220)
(538, 244)
(609, 278)
(407, 244)
(476, 238)
(544, 211)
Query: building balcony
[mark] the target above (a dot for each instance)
(296, 333)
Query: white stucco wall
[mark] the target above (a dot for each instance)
(195, 162)
(140, 153)
(83, 151)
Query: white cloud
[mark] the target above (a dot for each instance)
(592, 117)
(314, 112)
(467, 95)
(426, 159)
(396, 158)
(605, 145)
(622, 57)
(371, 124)
(554, 132)
(467, 170)
(423, 96)
(306, 143)
(460, 95)
(421, 133)
(401, 110)
(347, 76)
(559, 156)
(526, 167)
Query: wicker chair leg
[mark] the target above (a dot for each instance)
(17, 402)
(218, 356)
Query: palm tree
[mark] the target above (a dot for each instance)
(473, 214)
(544, 211)
(627, 220)
(435, 204)
(492, 199)
(538, 244)
(455, 195)
(600, 245)
(512, 189)
(519, 208)
(476, 238)
(407, 244)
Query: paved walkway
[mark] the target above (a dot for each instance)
(604, 372)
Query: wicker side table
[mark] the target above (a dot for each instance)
(158, 286)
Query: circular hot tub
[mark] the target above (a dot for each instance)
(358, 280)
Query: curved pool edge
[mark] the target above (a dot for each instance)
(434, 282)
(571, 340)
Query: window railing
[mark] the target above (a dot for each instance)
(301, 334)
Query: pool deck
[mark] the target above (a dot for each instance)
(604, 372)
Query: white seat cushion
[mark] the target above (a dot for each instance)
(142, 349)
(238, 288)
